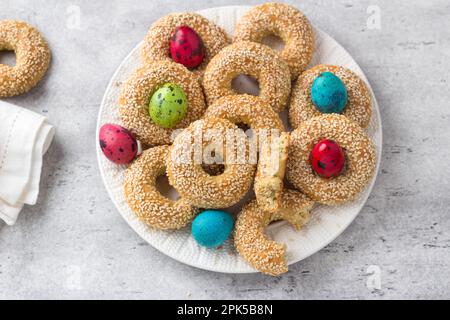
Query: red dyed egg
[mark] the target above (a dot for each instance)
(117, 143)
(186, 47)
(327, 158)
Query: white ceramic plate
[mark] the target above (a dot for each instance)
(327, 222)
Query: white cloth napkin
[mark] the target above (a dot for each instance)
(24, 138)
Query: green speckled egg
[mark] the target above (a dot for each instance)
(168, 105)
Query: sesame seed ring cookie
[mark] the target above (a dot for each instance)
(146, 201)
(253, 59)
(156, 42)
(249, 110)
(32, 57)
(358, 107)
(284, 21)
(192, 182)
(358, 149)
(135, 97)
(250, 240)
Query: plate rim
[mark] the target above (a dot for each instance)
(344, 227)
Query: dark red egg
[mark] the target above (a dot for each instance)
(327, 158)
(117, 143)
(186, 47)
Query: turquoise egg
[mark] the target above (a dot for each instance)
(168, 105)
(328, 93)
(212, 227)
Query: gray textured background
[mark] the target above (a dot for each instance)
(74, 244)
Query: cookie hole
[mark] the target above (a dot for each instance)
(164, 187)
(8, 57)
(245, 83)
(274, 42)
(243, 126)
(213, 169)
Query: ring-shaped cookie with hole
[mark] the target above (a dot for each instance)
(251, 242)
(32, 57)
(358, 107)
(143, 197)
(252, 59)
(187, 38)
(286, 22)
(138, 91)
(205, 142)
(330, 132)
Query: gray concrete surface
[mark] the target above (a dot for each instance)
(74, 244)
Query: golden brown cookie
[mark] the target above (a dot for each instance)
(32, 57)
(146, 201)
(359, 152)
(250, 240)
(137, 91)
(156, 42)
(357, 109)
(253, 59)
(207, 142)
(286, 22)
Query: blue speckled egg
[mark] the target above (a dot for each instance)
(328, 93)
(212, 227)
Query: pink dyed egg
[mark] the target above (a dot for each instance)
(327, 158)
(186, 47)
(117, 143)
